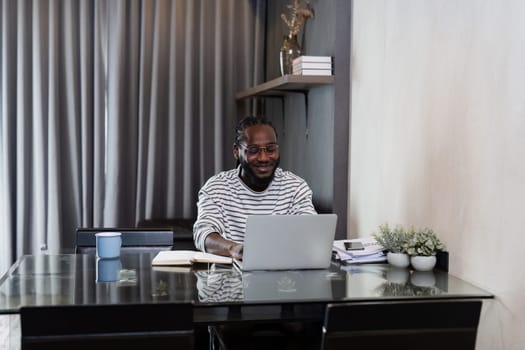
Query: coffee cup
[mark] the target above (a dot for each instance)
(108, 270)
(108, 244)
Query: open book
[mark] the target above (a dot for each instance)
(187, 257)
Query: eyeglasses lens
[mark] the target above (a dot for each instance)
(254, 150)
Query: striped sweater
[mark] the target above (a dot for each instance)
(225, 201)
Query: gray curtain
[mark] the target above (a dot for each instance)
(115, 111)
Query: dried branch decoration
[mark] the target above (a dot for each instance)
(298, 15)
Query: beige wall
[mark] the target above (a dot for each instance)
(438, 139)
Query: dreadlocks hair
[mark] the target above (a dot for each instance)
(246, 123)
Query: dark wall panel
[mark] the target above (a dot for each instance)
(311, 144)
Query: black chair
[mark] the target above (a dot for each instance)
(449, 324)
(182, 230)
(133, 239)
(107, 327)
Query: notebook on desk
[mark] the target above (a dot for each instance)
(287, 242)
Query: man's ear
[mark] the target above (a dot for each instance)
(235, 151)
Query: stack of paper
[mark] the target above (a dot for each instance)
(372, 252)
(312, 65)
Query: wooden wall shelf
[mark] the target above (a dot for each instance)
(285, 84)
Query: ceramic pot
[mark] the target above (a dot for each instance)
(423, 263)
(398, 259)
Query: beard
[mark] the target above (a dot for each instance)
(250, 176)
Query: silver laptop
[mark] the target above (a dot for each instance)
(287, 242)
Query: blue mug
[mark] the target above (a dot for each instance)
(108, 244)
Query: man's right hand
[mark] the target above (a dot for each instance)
(236, 251)
(216, 244)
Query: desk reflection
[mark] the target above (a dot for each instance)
(108, 270)
(259, 286)
(390, 281)
(219, 285)
(287, 285)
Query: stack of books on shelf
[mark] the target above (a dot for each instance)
(312, 65)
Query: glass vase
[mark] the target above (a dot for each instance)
(290, 50)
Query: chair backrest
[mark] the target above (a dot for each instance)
(107, 326)
(402, 325)
(133, 239)
(182, 230)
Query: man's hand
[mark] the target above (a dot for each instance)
(216, 244)
(236, 251)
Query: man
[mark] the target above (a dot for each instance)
(256, 187)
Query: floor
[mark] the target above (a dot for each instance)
(9, 332)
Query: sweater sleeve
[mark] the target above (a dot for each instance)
(209, 218)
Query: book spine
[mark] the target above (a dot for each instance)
(325, 59)
(313, 72)
(312, 65)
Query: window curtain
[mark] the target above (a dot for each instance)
(112, 112)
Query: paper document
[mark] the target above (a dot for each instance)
(373, 251)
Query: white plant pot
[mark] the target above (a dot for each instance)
(423, 263)
(398, 259)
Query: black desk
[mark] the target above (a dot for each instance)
(219, 294)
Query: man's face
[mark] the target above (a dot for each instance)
(258, 155)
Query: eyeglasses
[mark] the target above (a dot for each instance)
(253, 150)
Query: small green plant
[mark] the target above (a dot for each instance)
(423, 242)
(393, 240)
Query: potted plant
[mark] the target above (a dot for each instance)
(422, 248)
(394, 242)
